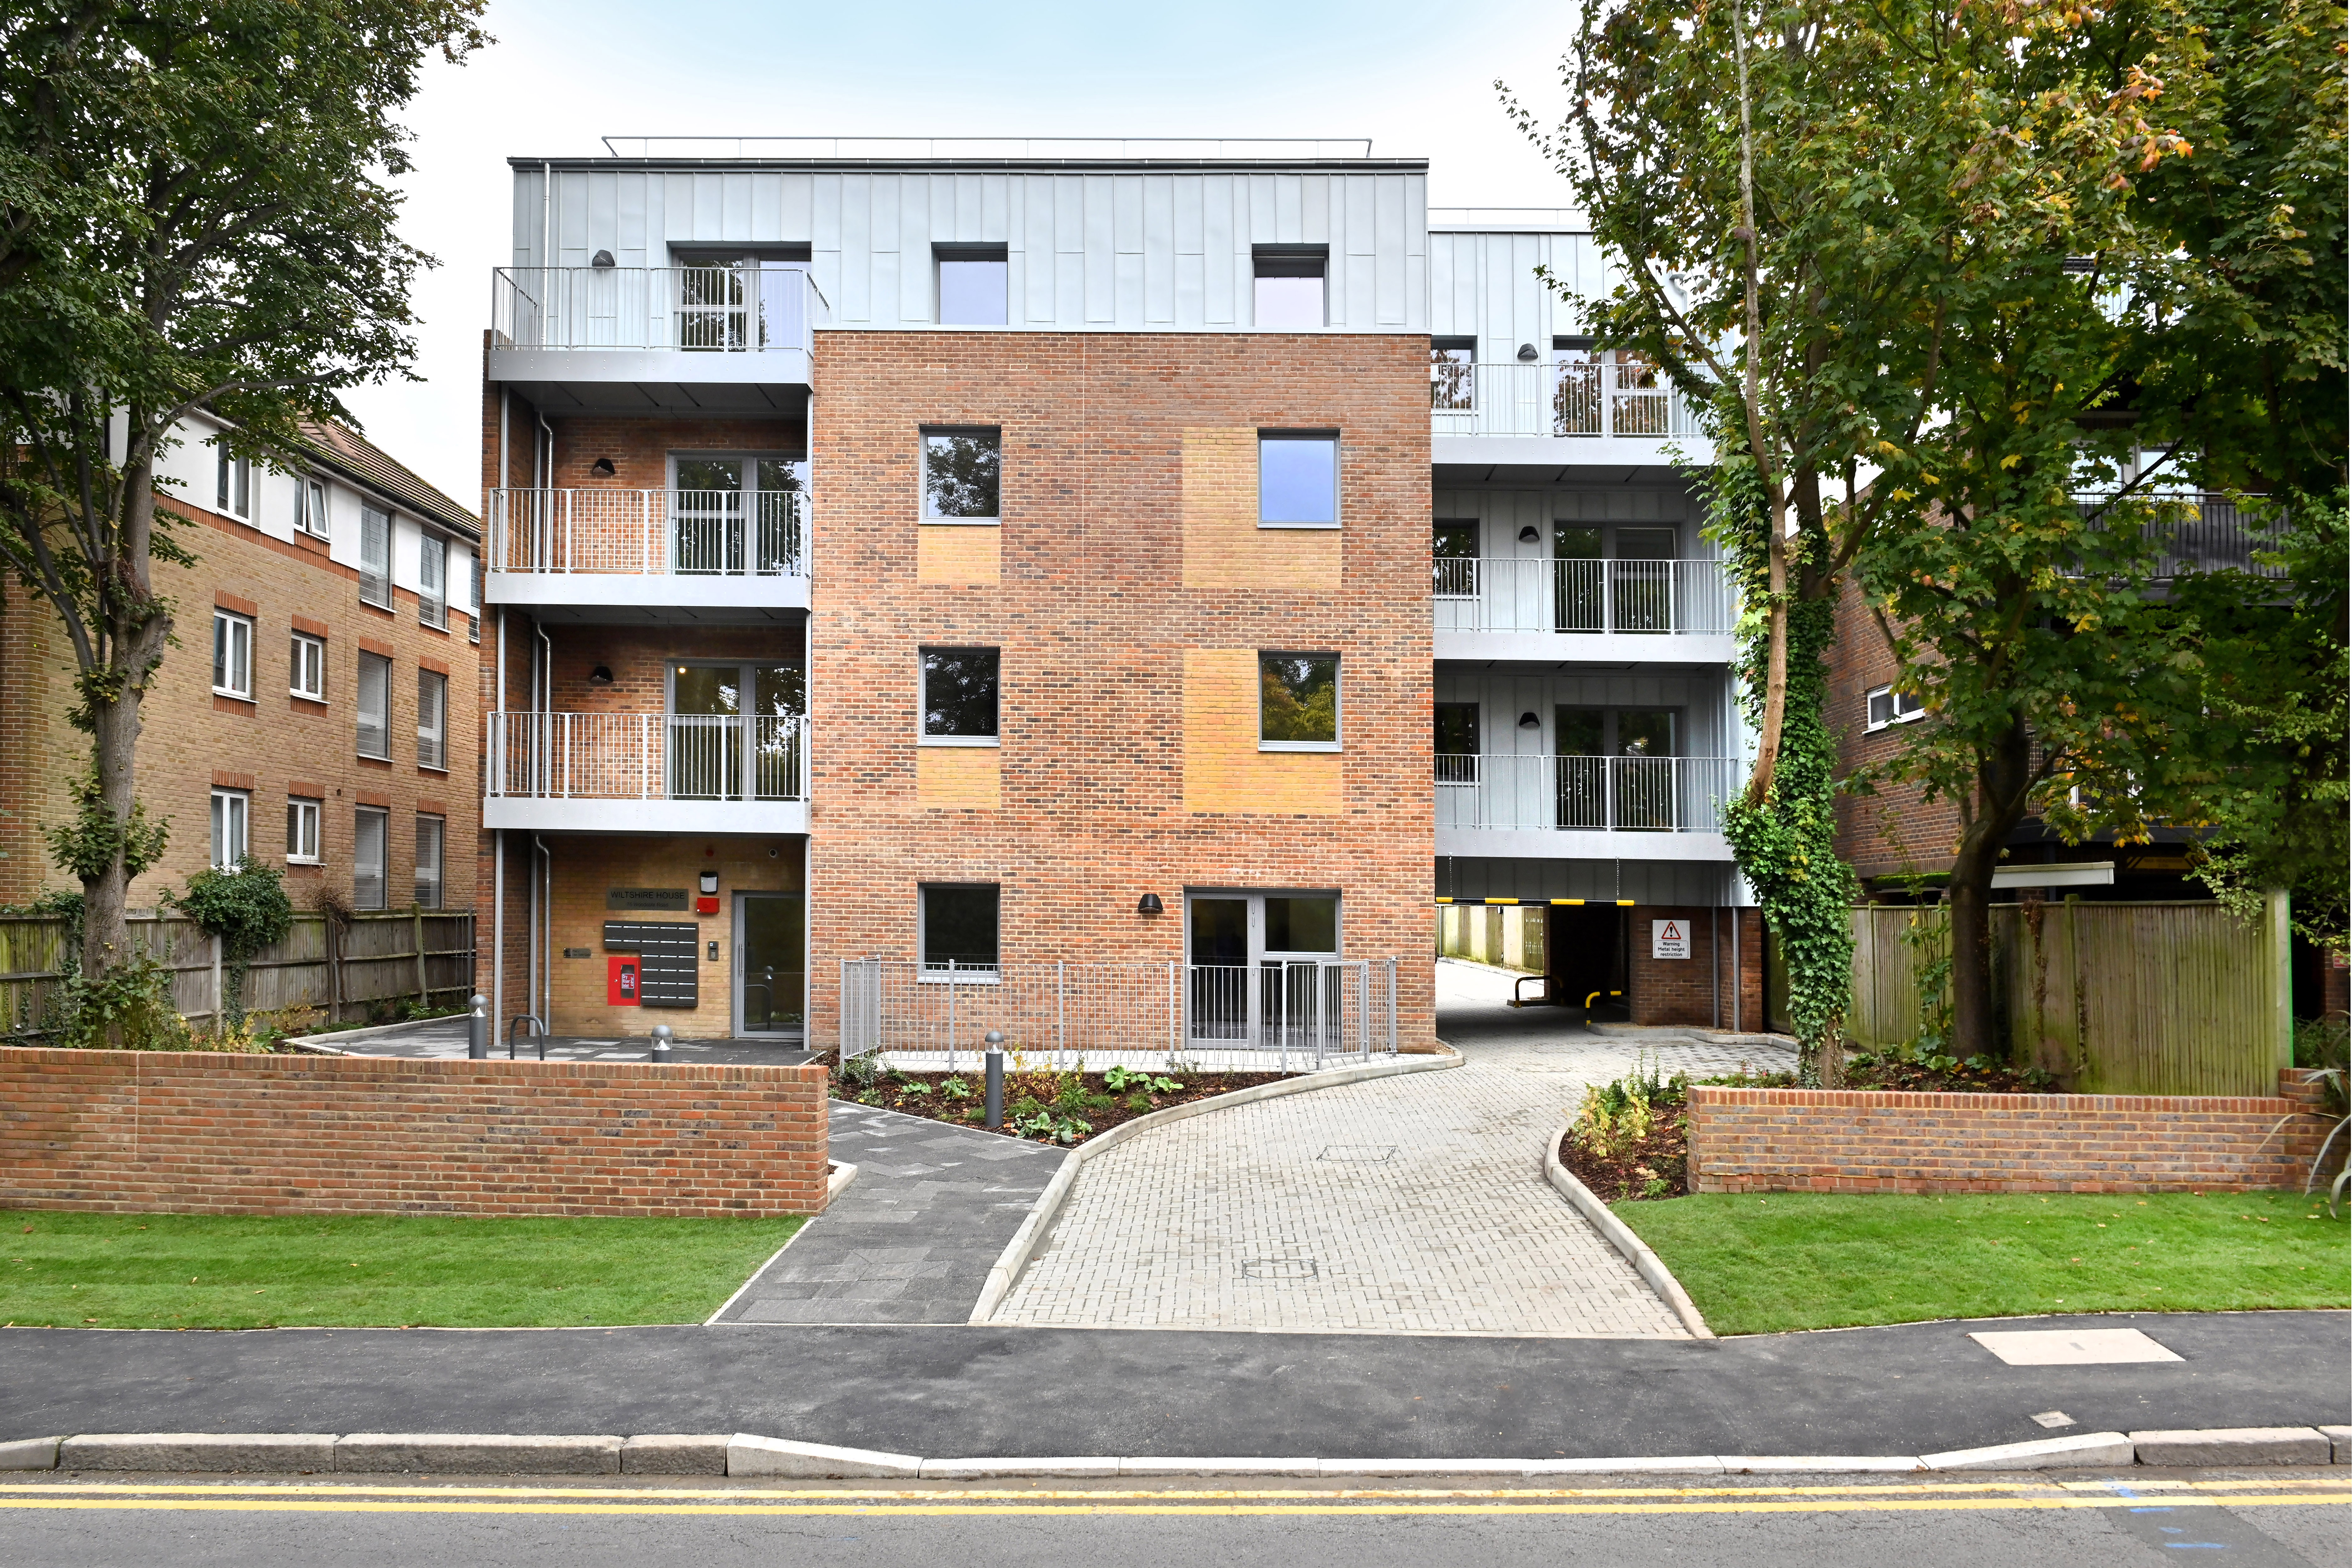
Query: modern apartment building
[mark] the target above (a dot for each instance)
(1112, 593)
(317, 708)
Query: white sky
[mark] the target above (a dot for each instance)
(1415, 78)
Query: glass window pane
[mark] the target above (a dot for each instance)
(1290, 305)
(367, 860)
(1570, 543)
(710, 474)
(1576, 732)
(972, 293)
(1299, 697)
(959, 692)
(779, 690)
(960, 474)
(1645, 544)
(220, 651)
(705, 688)
(1457, 729)
(960, 927)
(1221, 931)
(1882, 706)
(1302, 925)
(1297, 478)
(1454, 541)
(1645, 733)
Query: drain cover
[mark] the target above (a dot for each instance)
(1277, 1268)
(1359, 1153)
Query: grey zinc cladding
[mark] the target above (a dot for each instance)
(1111, 248)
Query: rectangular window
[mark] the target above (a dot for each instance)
(232, 655)
(302, 831)
(375, 557)
(1297, 479)
(971, 285)
(1298, 702)
(306, 673)
(960, 468)
(369, 836)
(1289, 293)
(234, 492)
(960, 687)
(1456, 742)
(432, 582)
(1883, 705)
(1454, 557)
(310, 507)
(229, 809)
(474, 610)
(376, 706)
(431, 720)
(1453, 364)
(958, 928)
(431, 832)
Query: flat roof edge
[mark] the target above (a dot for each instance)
(851, 165)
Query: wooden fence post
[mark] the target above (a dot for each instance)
(424, 992)
(220, 1004)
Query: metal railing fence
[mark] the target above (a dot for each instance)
(1502, 398)
(1281, 1014)
(649, 532)
(710, 310)
(645, 756)
(1582, 595)
(2194, 533)
(1592, 795)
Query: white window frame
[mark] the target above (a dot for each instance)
(310, 514)
(434, 830)
(232, 655)
(375, 556)
(433, 739)
(365, 819)
(233, 484)
(1339, 699)
(1898, 712)
(433, 582)
(381, 717)
(232, 828)
(303, 819)
(303, 649)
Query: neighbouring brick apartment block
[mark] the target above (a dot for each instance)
(318, 708)
(1160, 580)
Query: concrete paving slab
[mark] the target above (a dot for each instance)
(2071, 1347)
(2340, 1438)
(260, 1451)
(478, 1453)
(674, 1454)
(31, 1454)
(2235, 1446)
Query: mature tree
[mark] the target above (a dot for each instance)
(195, 212)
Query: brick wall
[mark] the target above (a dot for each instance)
(1892, 832)
(197, 1134)
(1698, 989)
(1867, 1141)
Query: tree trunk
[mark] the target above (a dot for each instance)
(137, 626)
(2000, 806)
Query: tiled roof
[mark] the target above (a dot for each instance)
(364, 462)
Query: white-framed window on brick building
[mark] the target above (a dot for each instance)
(432, 837)
(376, 706)
(306, 667)
(1883, 705)
(433, 582)
(473, 602)
(232, 811)
(431, 720)
(310, 508)
(370, 836)
(1299, 702)
(302, 830)
(1298, 478)
(375, 557)
(232, 655)
(233, 488)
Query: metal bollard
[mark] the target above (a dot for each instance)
(995, 1058)
(478, 1029)
(660, 1052)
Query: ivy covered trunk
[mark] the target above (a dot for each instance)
(2002, 772)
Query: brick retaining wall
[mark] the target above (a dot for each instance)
(193, 1132)
(1872, 1140)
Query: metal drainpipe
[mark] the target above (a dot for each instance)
(547, 941)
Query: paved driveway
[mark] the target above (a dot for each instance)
(1412, 1204)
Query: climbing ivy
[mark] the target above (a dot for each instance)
(247, 909)
(1785, 846)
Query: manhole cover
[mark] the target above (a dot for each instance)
(1359, 1153)
(1277, 1268)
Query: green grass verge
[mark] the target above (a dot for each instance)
(243, 1271)
(1809, 1261)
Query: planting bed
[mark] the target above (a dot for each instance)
(1040, 1105)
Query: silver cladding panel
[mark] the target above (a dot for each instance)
(1485, 286)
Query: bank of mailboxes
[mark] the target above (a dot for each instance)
(650, 964)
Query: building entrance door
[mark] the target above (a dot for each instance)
(1258, 968)
(770, 963)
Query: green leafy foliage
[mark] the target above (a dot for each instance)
(247, 909)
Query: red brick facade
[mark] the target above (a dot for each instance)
(1702, 989)
(183, 1132)
(1869, 1141)
(1892, 832)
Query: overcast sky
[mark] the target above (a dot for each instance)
(1415, 78)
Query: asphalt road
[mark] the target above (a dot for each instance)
(953, 1390)
(1833, 1522)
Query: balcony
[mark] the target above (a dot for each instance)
(1601, 413)
(698, 340)
(1602, 808)
(667, 556)
(1679, 612)
(645, 773)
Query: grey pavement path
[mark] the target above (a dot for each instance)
(445, 1040)
(947, 1391)
(913, 1237)
(1411, 1205)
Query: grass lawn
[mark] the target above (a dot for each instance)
(1811, 1260)
(238, 1271)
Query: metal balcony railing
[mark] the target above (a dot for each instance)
(1507, 399)
(645, 756)
(744, 309)
(710, 533)
(1590, 795)
(1582, 595)
(2194, 533)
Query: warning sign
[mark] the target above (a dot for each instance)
(1669, 939)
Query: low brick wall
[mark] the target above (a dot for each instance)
(203, 1134)
(1871, 1141)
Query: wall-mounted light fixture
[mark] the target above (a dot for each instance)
(1529, 722)
(1148, 904)
(710, 883)
(600, 676)
(601, 468)
(1527, 535)
(601, 259)
(1526, 354)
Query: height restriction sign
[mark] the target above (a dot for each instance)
(1669, 939)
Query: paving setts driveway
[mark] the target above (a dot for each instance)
(1411, 1204)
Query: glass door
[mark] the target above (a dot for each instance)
(721, 507)
(770, 963)
(1260, 968)
(734, 730)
